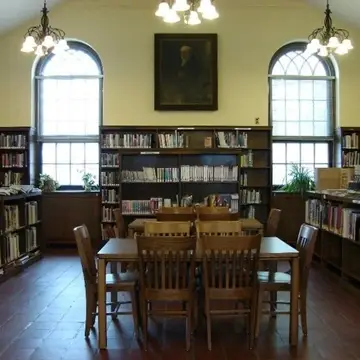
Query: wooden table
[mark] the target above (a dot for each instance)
(272, 248)
(137, 226)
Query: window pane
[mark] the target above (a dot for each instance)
(63, 174)
(49, 169)
(306, 89)
(77, 153)
(76, 174)
(299, 62)
(63, 154)
(279, 174)
(279, 128)
(277, 69)
(48, 153)
(293, 153)
(320, 128)
(94, 170)
(309, 167)
(279, 151)
(320, 89)
(292, 69)
(92, 153)
(292, 89)
(306, 110)
(321, 153)
(292, 110)
(292, 129)
(320, 110)
(306, 128)
(278, 110)
(306, 69)
(278, 89)
(307, 153)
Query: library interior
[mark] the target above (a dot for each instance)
(170, 189)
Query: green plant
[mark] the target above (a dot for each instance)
(301, 180)
(89, 181)
(47, 183)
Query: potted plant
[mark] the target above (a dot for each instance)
(89, 181)
(47, 183)
(301, 180)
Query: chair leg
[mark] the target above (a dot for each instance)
(90, 299)
(259, 311)
(273, 301)
(135, 314)
(208, 322)
(303, 313)
(144, 318)
(189, 324)
(253, 320)
(114, 300)
(95, 303)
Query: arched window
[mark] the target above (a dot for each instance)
(301, 110)
(69, 103)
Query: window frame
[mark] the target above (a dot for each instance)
(38, 89)
(331, 77)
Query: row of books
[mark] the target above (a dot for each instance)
(207, 173)
(149, 174)
(351, 158)
(11, 178)
(247, 160)
(110, 160)
(13, 141)
(350, 141)
(31, 212)
(248, 196)
(9, 160)
(115, 141)
(110, 196)
(12, 215)
(231, 139)
(168, 141)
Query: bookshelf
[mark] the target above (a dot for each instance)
(348, 146)
(337, 215)
(20, 232)
(145, 168)
(17, 151)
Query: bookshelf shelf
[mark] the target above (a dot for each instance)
(348, 146)
(337, 215)
(145, 168)
(20, 232)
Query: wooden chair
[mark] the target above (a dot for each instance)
(229, 265)
(211, 212)
(279, 281)
(179, 213)
(167, 228)
(114, 282)
(272, 222)
(167, 273)
(218, 228)
(119, 223)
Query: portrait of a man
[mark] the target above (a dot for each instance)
(185, 72)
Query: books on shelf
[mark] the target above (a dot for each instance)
(110, 160)
(110, 196)
(142, 206)
(247, 160)
(250, 196)
(207, 173)
(31, 238)
(129, 141)
(350, 158)
(13, 141)
(11, 217)
(231, 139)
(109, 178)
(11, 160)
(149, 174)
(12, 178)
(350, 141)
(171, 140)
(313, 212)
(12, 249)
(31, 212)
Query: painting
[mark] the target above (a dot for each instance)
(186, 72)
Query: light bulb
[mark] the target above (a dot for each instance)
(39, 51)
(193, 19)
(341, 50)
(26, 48)
(171, 17)
(163, 9)
(181, 5)
(323, 51)
(347, 43)
(204, 6)
(315, 43)
(210, 13)
(48, 42)
(333, 42)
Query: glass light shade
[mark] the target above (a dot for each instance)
(311, 49)
(26, 48)
(210, 13)
(204, 6)
(39, 51)
(30, 41)
(341, 50)
(163, 9)
(333, 42)
(171, 17)
(181, 5)
(61, 46)
(347, 43)
(193, 18)
(48, 42)
(323, 51)
(315, 43)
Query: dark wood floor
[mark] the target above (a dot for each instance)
(42, 313)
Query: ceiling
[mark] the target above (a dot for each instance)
(15, 12)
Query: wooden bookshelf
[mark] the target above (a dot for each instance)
(348, 146)
(20, 232)
(17, 150)
(144, 168)
(337, 215)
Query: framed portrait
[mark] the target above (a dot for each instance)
(186, 72)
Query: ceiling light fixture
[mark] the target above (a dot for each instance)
(44, 39)
(192, 11)
(328, 39)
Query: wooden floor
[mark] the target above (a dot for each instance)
(42, 313)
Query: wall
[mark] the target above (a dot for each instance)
(248, 37)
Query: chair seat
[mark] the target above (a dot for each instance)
(122, 280)
(278, 277)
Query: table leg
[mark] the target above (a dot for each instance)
(294, 305)
(102, 303)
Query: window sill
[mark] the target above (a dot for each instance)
(82, 192)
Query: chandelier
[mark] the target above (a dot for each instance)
(328, 39)
(44, 39)
(192, 11)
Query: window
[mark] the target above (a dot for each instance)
(69, 113)
(301, 110)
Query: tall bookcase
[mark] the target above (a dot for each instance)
(348, 146)
(144, 168)
(17, 150)
(20, 232)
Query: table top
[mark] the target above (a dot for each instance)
(247, 224)
(126, 250)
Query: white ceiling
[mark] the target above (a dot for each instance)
(15, 12)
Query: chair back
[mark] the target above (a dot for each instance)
(167, 267)
(120, 226)
(178, 213)
(273, 222)
(218, 228)
(211, 210)
(85, 250)
(230, 266)
(167, 228)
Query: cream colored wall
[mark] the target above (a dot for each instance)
(248, 37)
